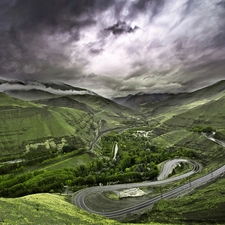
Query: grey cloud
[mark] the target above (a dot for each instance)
(121, 27)
(221, 3)
(151, 7)
(64, 40)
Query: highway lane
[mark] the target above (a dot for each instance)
(169, 166)
(174, 192)
(79, 197)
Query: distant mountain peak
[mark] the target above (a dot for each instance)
(34, 90)
(134, 101)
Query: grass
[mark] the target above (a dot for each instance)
(70, 162)
(25, 129)
(111, 195)
(204, 206)
(170, 138)
(47, 209)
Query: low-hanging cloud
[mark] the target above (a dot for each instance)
(19, 86)
(116, 46)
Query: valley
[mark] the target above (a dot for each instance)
(66, 142)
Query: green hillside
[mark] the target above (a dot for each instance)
(45, 209)
(209, 114)
(48, 209)
(203, 206)
(9, 102)
(183, 102)
(25, 126)
(99, 103)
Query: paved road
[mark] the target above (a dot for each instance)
(175, 192)
(169, 166)
(79, 197)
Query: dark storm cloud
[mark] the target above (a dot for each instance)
(168, 45)
(54, 13)
(121, 27)
(152, 7)
(222, 4)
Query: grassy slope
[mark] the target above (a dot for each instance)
(111, 113)
(72, 161)
(186, 101)
(209, 114)
(23, 123)
(100, 103)
(173, 133)
(46, 209)
(6, 101)
(205, 206)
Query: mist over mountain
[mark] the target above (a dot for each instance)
(34, 90)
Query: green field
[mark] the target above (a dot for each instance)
(48, 209)
(205, 205)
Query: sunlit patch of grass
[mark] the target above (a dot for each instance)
(70, 162)
(45, 209)
(111, 195)
(48, 209)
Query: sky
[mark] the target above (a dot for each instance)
(114, 47)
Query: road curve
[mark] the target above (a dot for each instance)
(169, 166)
(79, 197)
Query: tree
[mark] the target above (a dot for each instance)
(90, 180)
(79, 181)
(125, 162)
(99, 164)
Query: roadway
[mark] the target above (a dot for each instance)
(169, 166)
(79, 197)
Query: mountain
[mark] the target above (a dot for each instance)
(100, 103)
(35, 90)
(59, 94)
(211, 113)
(29, 95)
(26, 126)
(61, 115)
(184, 101)
(65, 101)
(134, 101)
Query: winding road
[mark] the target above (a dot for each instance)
(79, 197)
(169, 166)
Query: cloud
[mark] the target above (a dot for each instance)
(19, 86)
(121, 28)
(96, 44)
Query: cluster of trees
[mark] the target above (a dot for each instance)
(137, 154)
(136, 160)
(40, 155)
(200, 129)
(34, 182)
(55, 180)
